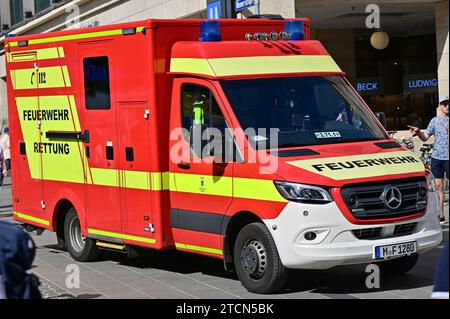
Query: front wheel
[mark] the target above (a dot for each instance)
(81, 248)
(257, 262)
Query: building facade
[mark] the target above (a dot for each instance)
(403, 80)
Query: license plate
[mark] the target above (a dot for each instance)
(384, 252)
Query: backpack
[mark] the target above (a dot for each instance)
(17, 252)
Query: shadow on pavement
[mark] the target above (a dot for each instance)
(342, 280)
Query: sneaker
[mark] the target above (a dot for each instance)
(442, 220)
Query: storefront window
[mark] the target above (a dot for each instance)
(400, 81)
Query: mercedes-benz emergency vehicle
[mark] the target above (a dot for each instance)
(93, 115)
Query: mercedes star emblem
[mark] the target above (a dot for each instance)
(392, 197)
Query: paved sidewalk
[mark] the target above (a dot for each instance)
(175, 275)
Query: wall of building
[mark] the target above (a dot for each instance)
(442, 46)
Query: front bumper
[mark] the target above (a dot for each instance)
(336, 244)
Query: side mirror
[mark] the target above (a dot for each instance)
(382, 118)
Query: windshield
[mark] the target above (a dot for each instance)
(303, 111)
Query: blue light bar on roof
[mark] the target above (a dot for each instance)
(210, 31)
(296, 29)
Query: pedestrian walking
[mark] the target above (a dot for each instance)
(3, 170)
(440, 158)
(5, 146)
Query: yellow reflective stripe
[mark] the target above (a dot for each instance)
(199, 249)
(256, 65)
(44, 78)
(363, 166)
(166, 181)
(257, 189)
(66, 76)
(137, 180)
(35, 55)
(76, 37)
(272, 65)
(32, 219)
(121, 236)
(247, 188)
(105, 177)
(197, 66)
(112, 246)
(160, 181)
(204, 184)
(132, 179)
(61, 52)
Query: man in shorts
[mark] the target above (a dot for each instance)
(439, 162)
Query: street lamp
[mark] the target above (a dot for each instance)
(380, 40)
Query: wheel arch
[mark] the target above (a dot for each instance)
(231, 230)
(64, 201)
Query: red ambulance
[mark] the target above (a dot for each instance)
(103, 123)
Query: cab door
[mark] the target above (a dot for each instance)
(99, 122)
(202, 187)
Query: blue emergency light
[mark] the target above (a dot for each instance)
(296, 29)
(210, 31)
(10, 35)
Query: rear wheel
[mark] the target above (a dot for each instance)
(257, 262)
(81, 248)
(399, 266)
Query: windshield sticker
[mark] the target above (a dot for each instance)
(328, 135)
(259, 138)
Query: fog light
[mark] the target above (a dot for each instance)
(310, 236)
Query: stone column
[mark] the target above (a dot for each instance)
(442, 46)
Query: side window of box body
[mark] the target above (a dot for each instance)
(97, 84)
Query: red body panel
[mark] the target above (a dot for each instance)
(141, 84)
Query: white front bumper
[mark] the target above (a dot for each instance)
(336, 244)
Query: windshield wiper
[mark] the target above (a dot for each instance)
(351, 140)
(287, 145)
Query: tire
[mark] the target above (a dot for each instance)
(257, 262)
(81, 249)
(399, 266)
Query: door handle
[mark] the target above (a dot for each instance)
(184, 166)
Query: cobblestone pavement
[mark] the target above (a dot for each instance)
(175, 275)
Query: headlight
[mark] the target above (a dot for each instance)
(431, 182)
(303, 193)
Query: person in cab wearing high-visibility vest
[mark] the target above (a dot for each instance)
(440, 158)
